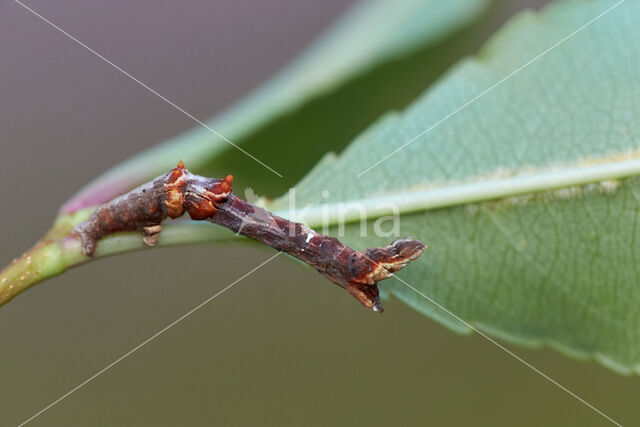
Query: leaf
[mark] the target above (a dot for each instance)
(528, 196)
(376, 57)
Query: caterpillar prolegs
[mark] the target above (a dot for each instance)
(178, 191)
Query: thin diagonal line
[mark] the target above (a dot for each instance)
(136, 348)
(489, 89)
(168, 101)
(512, 354)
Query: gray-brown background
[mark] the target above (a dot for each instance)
(284, 347)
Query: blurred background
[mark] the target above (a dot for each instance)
(282, 347)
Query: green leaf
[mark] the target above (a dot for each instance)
(378, 56)
(527, 196)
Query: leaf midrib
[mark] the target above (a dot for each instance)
(460, 194)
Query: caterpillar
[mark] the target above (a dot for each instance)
(178, 191)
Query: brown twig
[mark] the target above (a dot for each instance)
(179, 191)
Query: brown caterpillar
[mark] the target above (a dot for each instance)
(179, 191)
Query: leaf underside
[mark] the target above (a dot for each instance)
(559, 266)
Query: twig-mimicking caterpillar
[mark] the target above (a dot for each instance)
(178, 191)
